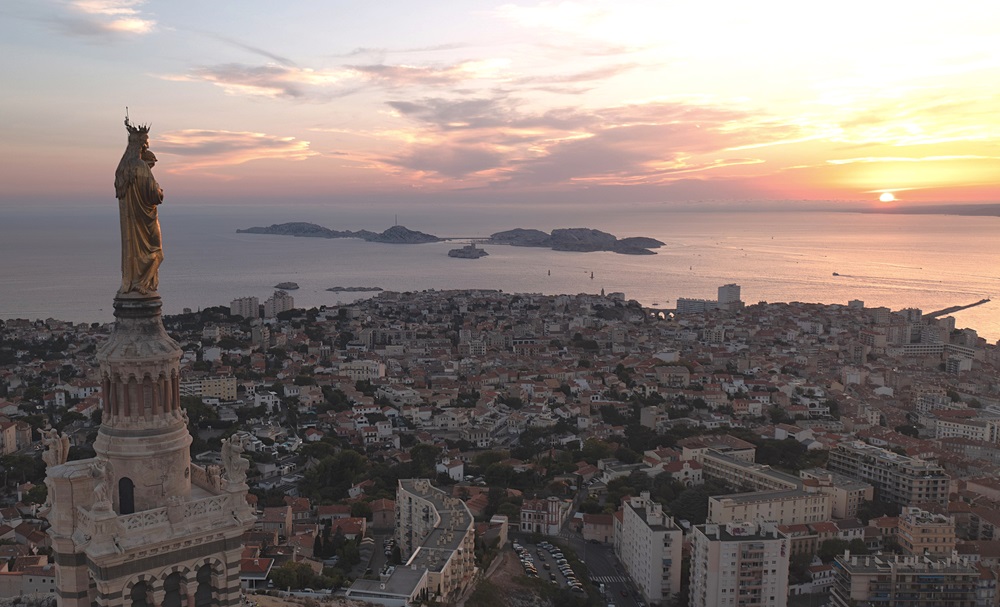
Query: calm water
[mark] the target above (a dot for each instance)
(64, 264)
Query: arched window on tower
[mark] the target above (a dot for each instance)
(172, 591)
(138, 595)
(205, 596)
(126, 496)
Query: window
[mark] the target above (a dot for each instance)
(138, 595)
(204, 595)
(126, 496)
(172, 590)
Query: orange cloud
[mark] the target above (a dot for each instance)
(271, 80)
(104, 17)
(199, 150)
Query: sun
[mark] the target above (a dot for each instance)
(886, 197)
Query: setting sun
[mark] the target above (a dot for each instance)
(886, 197)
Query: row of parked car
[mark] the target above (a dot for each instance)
(527, 561)
(562, 564)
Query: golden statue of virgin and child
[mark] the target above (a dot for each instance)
(138, 198)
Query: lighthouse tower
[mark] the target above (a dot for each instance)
(139, 525)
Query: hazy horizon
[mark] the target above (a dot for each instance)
(575, 102)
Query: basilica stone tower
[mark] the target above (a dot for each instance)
(139, 525)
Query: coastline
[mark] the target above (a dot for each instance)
(892, 260)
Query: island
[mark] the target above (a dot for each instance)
(353, 289)
(287, 286)
(469, 251)
(393, 235)
(576, 239)
(581, 240)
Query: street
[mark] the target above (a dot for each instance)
(602, 568)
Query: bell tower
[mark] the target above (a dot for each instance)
(143, 435)
(139, 525)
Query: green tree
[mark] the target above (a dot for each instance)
(37, 494)
(692, 503)
(830, 549)
(424, 457)
(857, 546)
(595, 449)
(510, 510)
(361, 510)
(867, 510)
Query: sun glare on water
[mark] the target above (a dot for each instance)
(887, 197)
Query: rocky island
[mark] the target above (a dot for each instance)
(353, 289)
(576, 239)
(469, 251)
(581, 240)
(393, 235)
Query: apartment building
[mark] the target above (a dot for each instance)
(694, 447)
(896, 478)
(436, 533)
(740, 473)
(279, 302)
(846, 493)
(913, 581)
(924, 533)
(984, 427)
(247, 307)
(790, 507)
(739, 565)
(649, 543)
(222, 387)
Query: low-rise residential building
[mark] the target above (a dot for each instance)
(598, 528)
(545, 516)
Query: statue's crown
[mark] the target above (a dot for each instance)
(142, 129)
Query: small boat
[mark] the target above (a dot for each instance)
(836, 274)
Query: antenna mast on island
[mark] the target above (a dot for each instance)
(395, 220)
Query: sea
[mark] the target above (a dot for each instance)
(63, 263)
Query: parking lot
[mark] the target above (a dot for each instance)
(546, 562)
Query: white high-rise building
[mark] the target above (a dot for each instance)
(247, 307)
(279, 302)
(729, 293)
(739, 565)
(649, 543)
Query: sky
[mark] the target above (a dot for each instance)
(677, 102)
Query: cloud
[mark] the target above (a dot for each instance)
(282, 79)
(280, 60)
(448, 114)
(201, 149)
(599, 73)
(870, 159)
(495, 139)
(452, 161)
(103, 18)
(411, 75)
(382, 51)
(272, 81)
